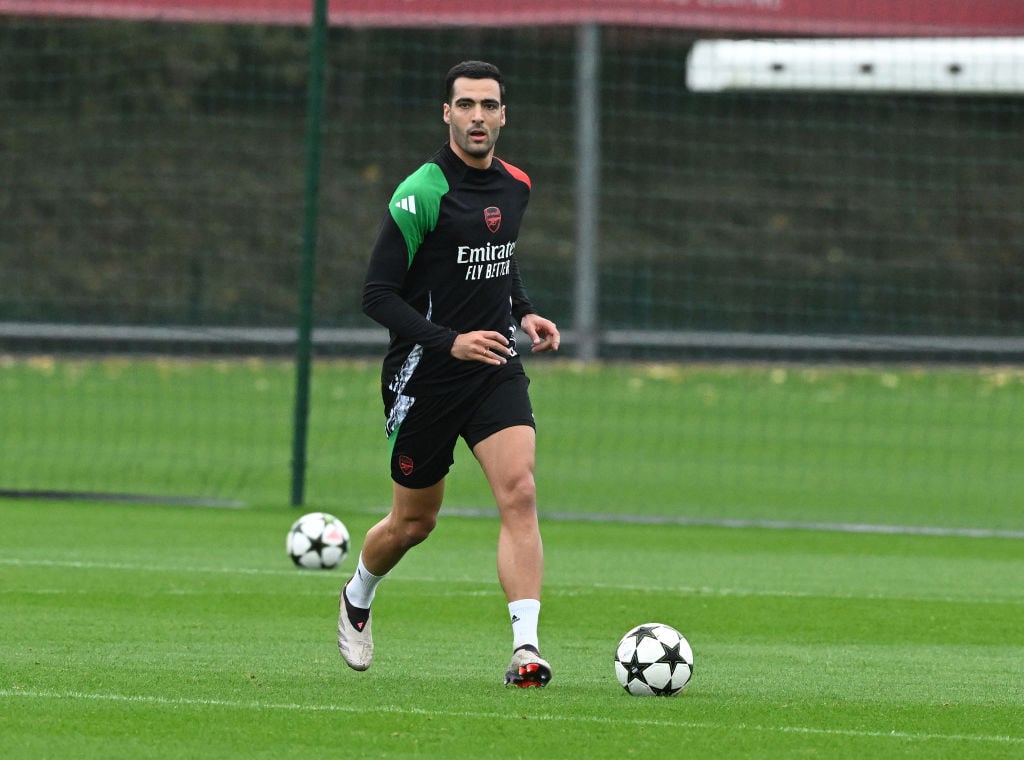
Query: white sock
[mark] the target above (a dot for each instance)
(362, 587)
(524, 613)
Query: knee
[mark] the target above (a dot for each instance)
(415, 531)
(518, 494)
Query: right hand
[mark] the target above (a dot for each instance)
(485, 346)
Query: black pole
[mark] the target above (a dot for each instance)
(303, 353)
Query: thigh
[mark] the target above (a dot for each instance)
(505, 403)
(417, 504)
(507, 458)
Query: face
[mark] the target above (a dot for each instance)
(474, 117)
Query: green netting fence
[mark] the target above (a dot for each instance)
(808, 305)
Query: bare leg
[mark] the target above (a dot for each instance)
(507, 459)
(412, 517)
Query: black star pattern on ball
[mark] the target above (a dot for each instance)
(644, 632)
(317, 543)
(635, 670)
(674, 660)
(672, 657)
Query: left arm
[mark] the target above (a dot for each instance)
(543, 332)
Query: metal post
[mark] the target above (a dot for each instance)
(588, 160)
(303, 353)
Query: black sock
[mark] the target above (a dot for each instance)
(357, 616)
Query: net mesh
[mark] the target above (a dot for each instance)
(817, 297)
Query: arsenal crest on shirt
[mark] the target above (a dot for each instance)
(492, 216)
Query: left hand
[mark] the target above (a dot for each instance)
(543, 333)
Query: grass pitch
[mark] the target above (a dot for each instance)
(133, 629)
(165, 632)
(901, 446)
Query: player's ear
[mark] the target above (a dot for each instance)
(447, 114)
(502, 122)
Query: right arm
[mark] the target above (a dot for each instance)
(398, 241)
(383, 303)
(382, 293)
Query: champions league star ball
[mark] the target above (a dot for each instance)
(318, 541)
(653, 659)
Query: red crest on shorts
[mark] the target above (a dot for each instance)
(405, 465)
(492, 216)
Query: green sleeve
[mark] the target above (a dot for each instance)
(416, 204)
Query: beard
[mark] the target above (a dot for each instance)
(475, 148)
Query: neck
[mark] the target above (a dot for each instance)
(477, 162)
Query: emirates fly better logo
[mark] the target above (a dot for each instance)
(492, 217)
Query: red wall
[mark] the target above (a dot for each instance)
(816, 17)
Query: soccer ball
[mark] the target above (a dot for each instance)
(653, 659)
(318, 541)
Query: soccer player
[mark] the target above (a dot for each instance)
(443, 278)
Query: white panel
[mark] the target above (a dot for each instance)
(982, 65)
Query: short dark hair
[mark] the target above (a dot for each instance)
(473, 70)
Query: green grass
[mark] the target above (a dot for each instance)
(904, 446)
(149, 630)
(163, 632)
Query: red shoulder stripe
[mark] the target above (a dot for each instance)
(516, 172)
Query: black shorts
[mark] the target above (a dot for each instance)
(423, 431)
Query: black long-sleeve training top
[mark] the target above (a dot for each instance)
(444, 263)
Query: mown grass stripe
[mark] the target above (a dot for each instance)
(474, 715)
